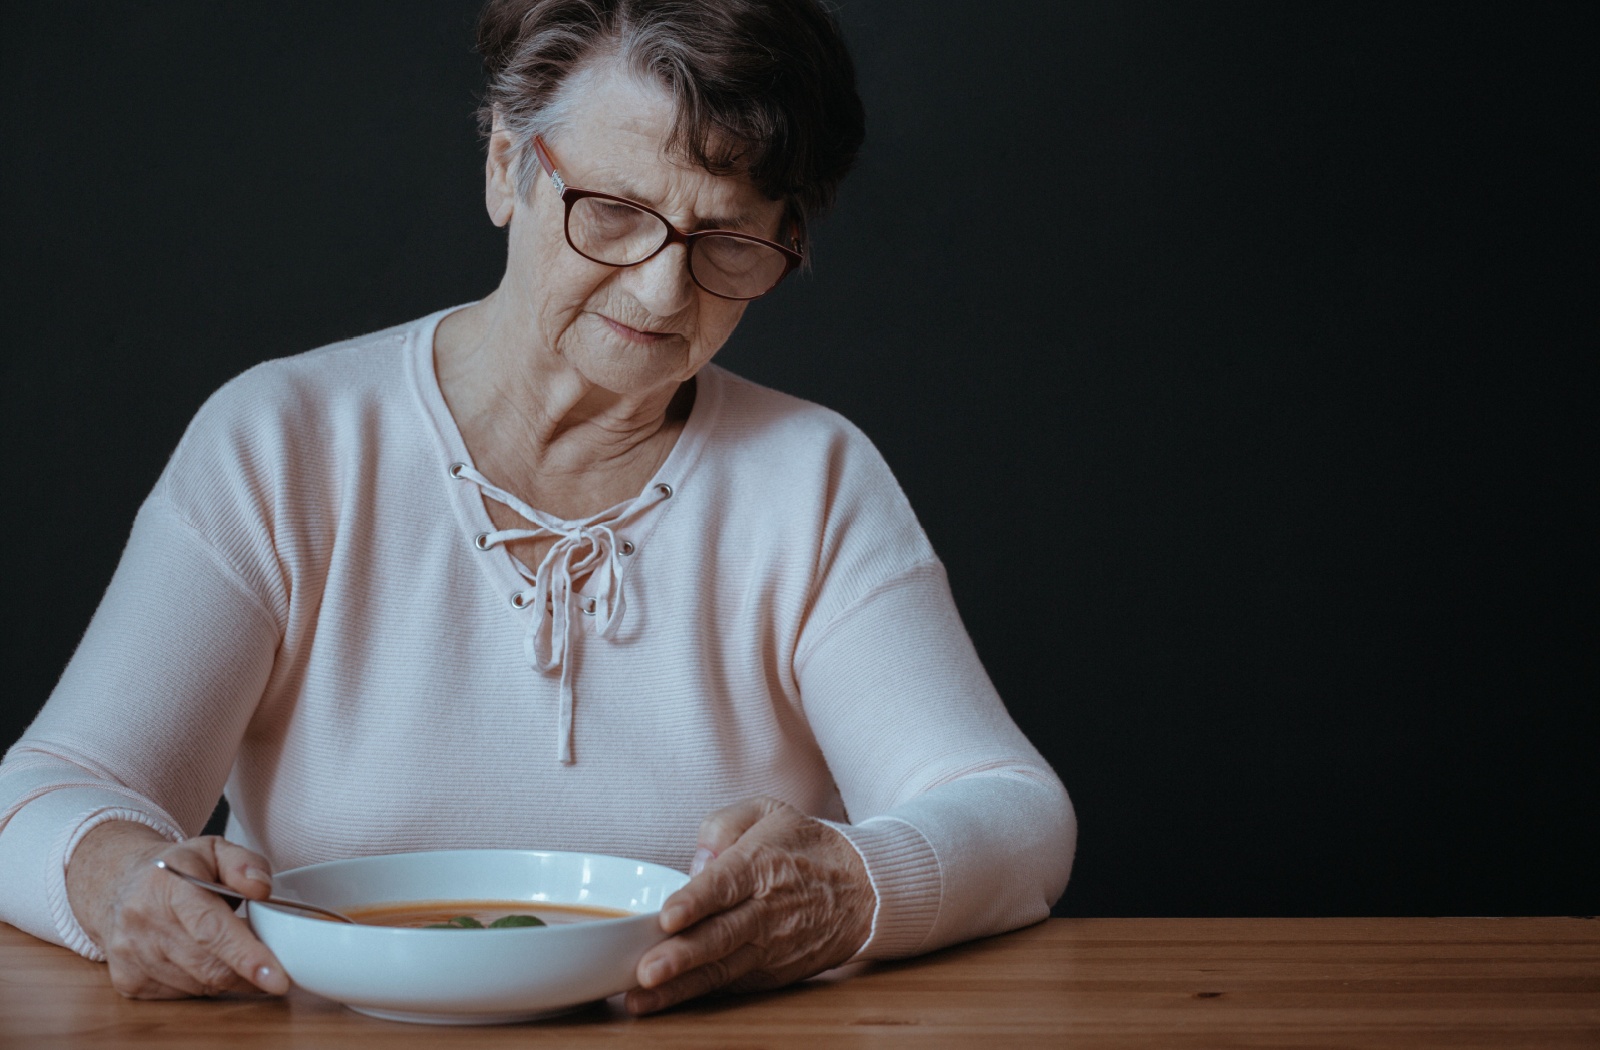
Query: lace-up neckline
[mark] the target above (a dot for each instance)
(605, 552)
(591, 547)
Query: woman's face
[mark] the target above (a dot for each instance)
(634, 330)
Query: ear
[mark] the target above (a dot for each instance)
(499, 175)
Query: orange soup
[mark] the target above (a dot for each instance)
(417, 914)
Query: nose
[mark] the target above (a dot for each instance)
(662, 283)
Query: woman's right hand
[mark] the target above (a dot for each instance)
(165, 938)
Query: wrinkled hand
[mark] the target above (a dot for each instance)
(167, 939)
(781, 897)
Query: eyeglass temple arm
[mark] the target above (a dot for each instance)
(548, 163)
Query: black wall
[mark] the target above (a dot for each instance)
(1238, 358)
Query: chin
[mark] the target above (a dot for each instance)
(644, 373)
(629, 368)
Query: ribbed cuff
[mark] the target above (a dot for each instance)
(907, 879)
(72, 934)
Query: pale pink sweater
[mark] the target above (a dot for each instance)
(303, 614)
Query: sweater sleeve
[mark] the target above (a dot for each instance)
(144, 723)
(964, 828)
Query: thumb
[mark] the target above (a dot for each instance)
(723, 828)
(242, 869)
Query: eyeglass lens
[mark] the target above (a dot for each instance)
(619, 234)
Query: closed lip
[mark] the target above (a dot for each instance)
(632, 334)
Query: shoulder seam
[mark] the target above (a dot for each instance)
(899, 579)
(217, 559)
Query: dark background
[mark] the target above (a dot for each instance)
(1238, 358)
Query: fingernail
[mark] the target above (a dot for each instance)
(655, 973)
(672, 918)
(258, 875)
(702, 857)
(264, 978)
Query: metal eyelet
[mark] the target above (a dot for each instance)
(518, 601)
(482, 542)
(665, 490)
(627, 547)
(456, 469)
(589, 607)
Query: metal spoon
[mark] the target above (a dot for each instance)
(226, 892)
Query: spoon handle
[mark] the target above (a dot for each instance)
(236, 895)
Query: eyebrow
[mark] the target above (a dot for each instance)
(741, 223)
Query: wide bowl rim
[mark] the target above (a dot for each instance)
(295, 915)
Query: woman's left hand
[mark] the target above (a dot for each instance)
(781, 897)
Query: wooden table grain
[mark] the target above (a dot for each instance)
(1090, 983)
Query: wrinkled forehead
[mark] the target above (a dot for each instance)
(615, 136)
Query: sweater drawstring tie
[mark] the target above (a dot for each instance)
(590, 547)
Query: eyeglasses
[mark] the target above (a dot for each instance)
(616, 231)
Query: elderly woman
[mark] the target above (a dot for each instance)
(533, 572)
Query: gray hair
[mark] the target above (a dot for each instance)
(548, 117)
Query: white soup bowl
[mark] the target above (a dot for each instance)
(492, 976)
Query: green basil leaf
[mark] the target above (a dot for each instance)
(466, 922)
(508, 921)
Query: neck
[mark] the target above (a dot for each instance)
(537, 427)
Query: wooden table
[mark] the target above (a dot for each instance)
(1068, 982)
